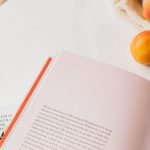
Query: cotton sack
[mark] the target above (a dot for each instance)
(131, 10)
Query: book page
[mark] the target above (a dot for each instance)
(147, 137)
(84, 105)
(6, 115)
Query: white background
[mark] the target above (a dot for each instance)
(32, 30)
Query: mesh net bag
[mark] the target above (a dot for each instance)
(131, 10)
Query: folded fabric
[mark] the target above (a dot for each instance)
(131, 10)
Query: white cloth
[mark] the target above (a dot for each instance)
(131, 10)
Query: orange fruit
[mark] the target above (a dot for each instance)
(140, 48)
(146, 9)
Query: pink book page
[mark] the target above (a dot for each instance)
(82, 104)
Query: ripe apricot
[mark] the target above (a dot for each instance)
(146, 9)
(140, 48)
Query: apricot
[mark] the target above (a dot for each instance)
(146, 9)
(140, 48)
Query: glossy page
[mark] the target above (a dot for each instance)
(84, 104)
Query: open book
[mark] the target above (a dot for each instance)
(81, 104)
(6, 115)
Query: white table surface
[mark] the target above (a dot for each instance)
(32, 30)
